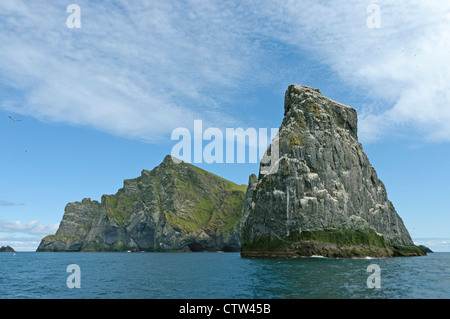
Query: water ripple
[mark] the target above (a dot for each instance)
(219, 276)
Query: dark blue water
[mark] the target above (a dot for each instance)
(219, 276)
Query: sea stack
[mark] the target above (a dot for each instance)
(325, 197)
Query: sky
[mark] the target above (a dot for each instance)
(97, 102)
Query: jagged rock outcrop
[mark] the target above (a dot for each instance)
(325, 197)
(174, 207)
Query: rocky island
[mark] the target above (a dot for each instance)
(174, 207)
(325, 198)
(7, 249)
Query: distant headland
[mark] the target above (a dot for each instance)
(7, 249)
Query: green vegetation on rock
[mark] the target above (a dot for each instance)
(325, 186)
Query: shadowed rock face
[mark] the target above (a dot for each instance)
(325, 197)
(175, 207)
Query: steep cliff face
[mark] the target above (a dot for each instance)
(175, 207)
(325, 198)
(7, 249)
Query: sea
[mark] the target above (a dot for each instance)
(217, 275)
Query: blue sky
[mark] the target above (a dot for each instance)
(98, 104)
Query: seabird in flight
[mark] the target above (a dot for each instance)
(14, 119)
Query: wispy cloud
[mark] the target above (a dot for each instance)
(20, 243)
(30, 228)
(139, 69)
(134, 69)
(403, 64)
(24, 236)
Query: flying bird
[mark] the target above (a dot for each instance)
(14, 119)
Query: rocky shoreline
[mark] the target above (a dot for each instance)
(325, 198)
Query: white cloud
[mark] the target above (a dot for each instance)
(435, 244)
(6, 203)
(136, 70)
(139, 69)
(24, 236)
(403, 64)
